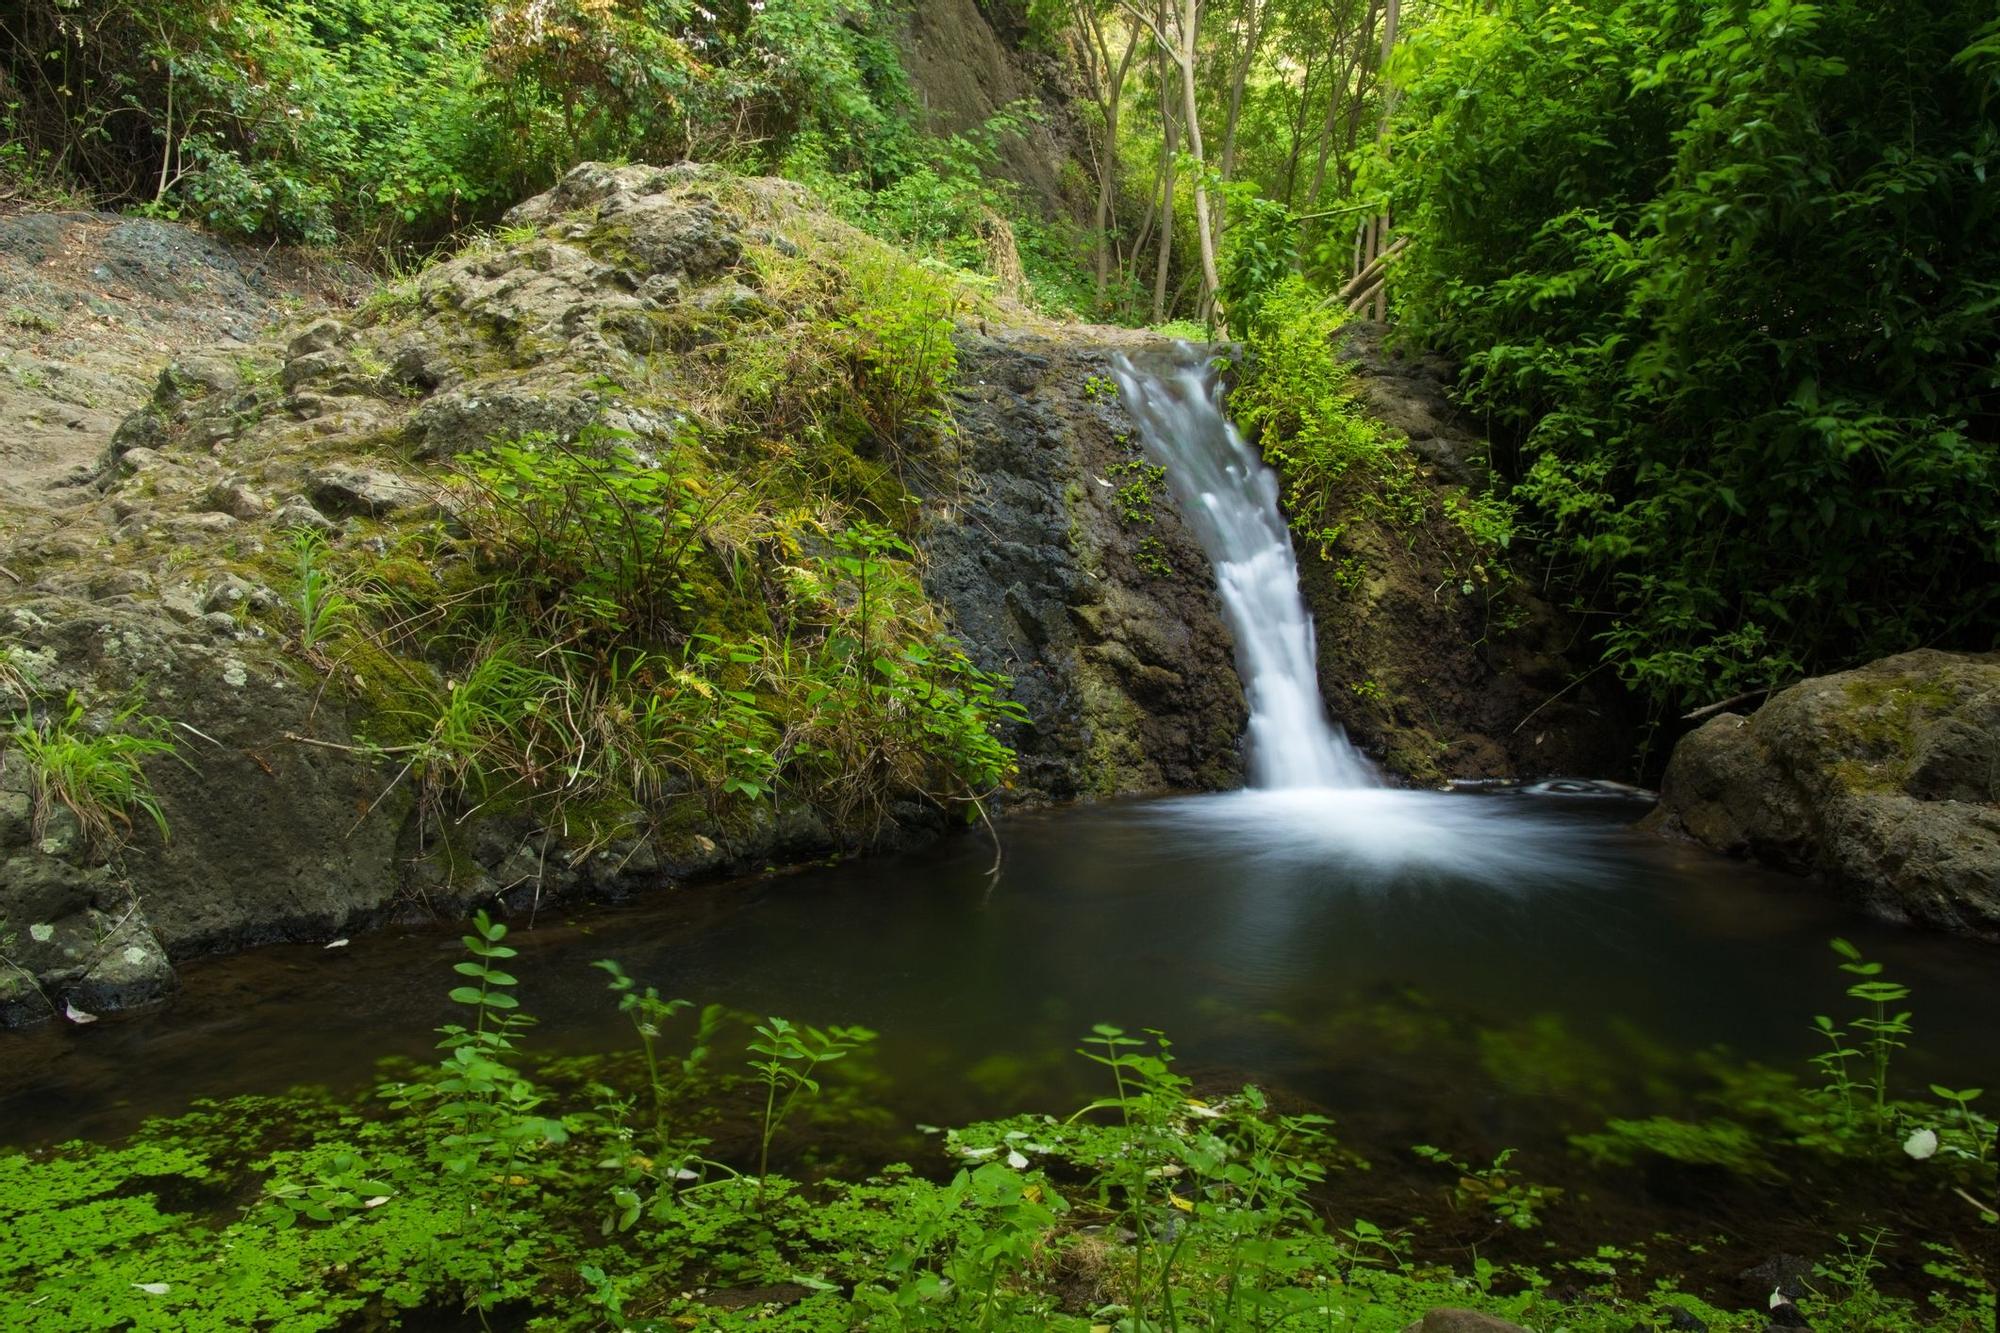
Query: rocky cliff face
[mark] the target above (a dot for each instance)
(947, 39)
(1434, 675)
(1884, 780)
(613, 303)
(1101, 608)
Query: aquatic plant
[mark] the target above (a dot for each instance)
(480, 1185)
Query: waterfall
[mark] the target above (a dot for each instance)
(1231, 498)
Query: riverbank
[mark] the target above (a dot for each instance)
(1598, 979)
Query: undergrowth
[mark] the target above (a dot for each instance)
(1337, 462)
(624, 631)
(90, 767)
(640, 1194)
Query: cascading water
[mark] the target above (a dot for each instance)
(1313, 803)
(1232, 500)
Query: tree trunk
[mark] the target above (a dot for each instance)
(1382, 134)
(1299, 126)
(1337, 97)
(1107, 167)
(1168, 147)
(1253, 36)
(1204, 233)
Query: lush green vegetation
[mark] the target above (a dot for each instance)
(629, 635)
(638, 1192)
(1338, 463)
(378, 126)
(1724, 275)
(1720, 277)
(406, 117)
(89, 769)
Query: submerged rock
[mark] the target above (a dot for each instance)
(1446, 1319)
(1884, 780)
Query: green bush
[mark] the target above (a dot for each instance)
(1728, 273)
(387, 120)
(94, 772)
(1335, 460)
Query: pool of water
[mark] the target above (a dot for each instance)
(1494, 968)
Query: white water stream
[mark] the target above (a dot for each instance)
(1231, 498)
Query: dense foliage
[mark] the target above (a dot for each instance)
(1727, 273)
(408, 117)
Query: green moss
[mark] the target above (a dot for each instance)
(1883, 718)
(1115, 761)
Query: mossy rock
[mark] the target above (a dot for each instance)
(1884, 780)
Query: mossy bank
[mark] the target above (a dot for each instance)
(675, 528)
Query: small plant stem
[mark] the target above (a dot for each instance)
(764, 1148)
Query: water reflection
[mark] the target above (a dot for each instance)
(1400, 957)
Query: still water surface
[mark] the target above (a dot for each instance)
(1496, 968)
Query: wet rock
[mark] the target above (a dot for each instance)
(1881, 780)
(1446, 1319)
(365, 491)
(313, 864)
(129, 970)
(1122, 661)
(16, 810)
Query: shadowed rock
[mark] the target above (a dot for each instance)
(1885, 780)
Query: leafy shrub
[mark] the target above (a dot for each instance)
(553, 1192)
(591, 538)
(405, 118)
(1728, 273)
(1333, 459)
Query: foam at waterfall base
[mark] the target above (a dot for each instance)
(1379, 835)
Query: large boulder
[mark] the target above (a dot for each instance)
(1885, 780)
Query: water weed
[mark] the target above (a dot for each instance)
(529, 1191)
